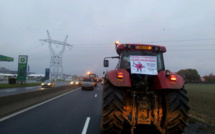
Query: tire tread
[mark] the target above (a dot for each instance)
(112, 119)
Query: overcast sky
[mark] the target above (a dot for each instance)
(185, 27)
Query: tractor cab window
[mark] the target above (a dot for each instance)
(125, 58)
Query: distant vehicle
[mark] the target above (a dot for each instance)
(88, 83)
(75, 82)
(93, 76)
(80, 79)
(48, 83)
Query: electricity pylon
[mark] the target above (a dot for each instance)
(56, 63)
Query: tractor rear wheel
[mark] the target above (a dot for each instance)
(176, 111)
(112, 118)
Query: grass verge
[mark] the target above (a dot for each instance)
(202, 101)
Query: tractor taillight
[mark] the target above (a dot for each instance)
(173, 78)
(120, 75)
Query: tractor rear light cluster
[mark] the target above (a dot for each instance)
(120, 75)
(144, 47)
(127, 46)
(173, 78)
(158, 48)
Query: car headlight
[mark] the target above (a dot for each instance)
(71, 82)
(42, 84)
(49, 84)
(76, 82)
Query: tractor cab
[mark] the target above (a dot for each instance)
(141, 61)
(126, 51)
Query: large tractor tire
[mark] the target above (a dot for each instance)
(176, 111)
(112, 104)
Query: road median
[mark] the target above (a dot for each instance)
(14, 103)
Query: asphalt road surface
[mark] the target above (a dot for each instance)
(12, 91)
(77, 112)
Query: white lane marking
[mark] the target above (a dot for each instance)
(95, 95)
(24, 110)
(84, 131)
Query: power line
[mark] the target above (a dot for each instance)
(164, 45)
(192, 45)
(182, 40)
(155, 19)
(192, 50)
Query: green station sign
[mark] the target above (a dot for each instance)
(22, 67)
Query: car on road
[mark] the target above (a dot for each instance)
(48, 83)
(88, 83)
(75, 82)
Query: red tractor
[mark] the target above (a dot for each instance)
(141, 92)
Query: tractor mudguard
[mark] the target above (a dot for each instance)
(123, 81)
(161, 81)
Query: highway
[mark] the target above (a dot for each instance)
(12, 91)
(74, 113)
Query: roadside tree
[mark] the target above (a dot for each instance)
(209, 78)
(189, 75)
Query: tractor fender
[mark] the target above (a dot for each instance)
(123, 82)
(162, 81)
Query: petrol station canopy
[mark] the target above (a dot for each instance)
(5, 58)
